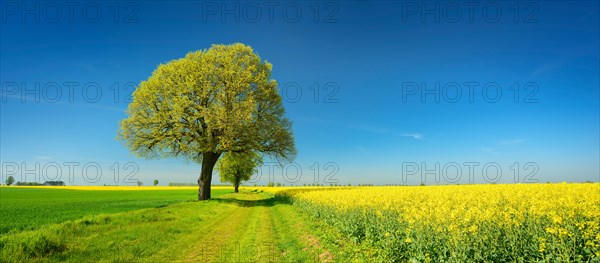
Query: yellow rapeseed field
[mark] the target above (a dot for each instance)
(469, 204)
(527, 221)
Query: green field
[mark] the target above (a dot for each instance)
(152, 226)
(31, 208)
(461, 223)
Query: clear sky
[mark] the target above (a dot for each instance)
(371, 86)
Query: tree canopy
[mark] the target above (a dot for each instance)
(208, 103)
(10, 180)
(237, 167)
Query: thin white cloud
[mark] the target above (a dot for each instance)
(373, 129)
(547, 68)
(360, 149)
(511, 142)
(386, 131)
(104, 107)
(502, 144)
(488, 150)
(312, 120)
(86, 66)
(416, 136)
(43, 158)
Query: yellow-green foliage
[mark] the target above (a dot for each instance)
(238, 167)
(216, 100)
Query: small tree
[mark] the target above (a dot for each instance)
(238, 167)
(271, 184)
(155, 182)
(10, 180)
(139, 183)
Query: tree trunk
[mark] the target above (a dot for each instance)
(236, 183)
(209, 159)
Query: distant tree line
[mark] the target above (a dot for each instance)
(28, 183)
(192, 184)
(182, 184)
(54, 183)
(47, 183)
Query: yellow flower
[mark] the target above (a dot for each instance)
(473, 228)
(557, 220)
(542, 246)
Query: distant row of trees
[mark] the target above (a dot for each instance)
(28, 183)
(234, 168)
(54, 183)
(10, 180)
(140, 183)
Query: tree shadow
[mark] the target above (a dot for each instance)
(251, 199)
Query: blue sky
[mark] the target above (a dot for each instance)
(368, 73)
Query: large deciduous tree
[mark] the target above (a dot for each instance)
(238, 167)
(208, 103)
